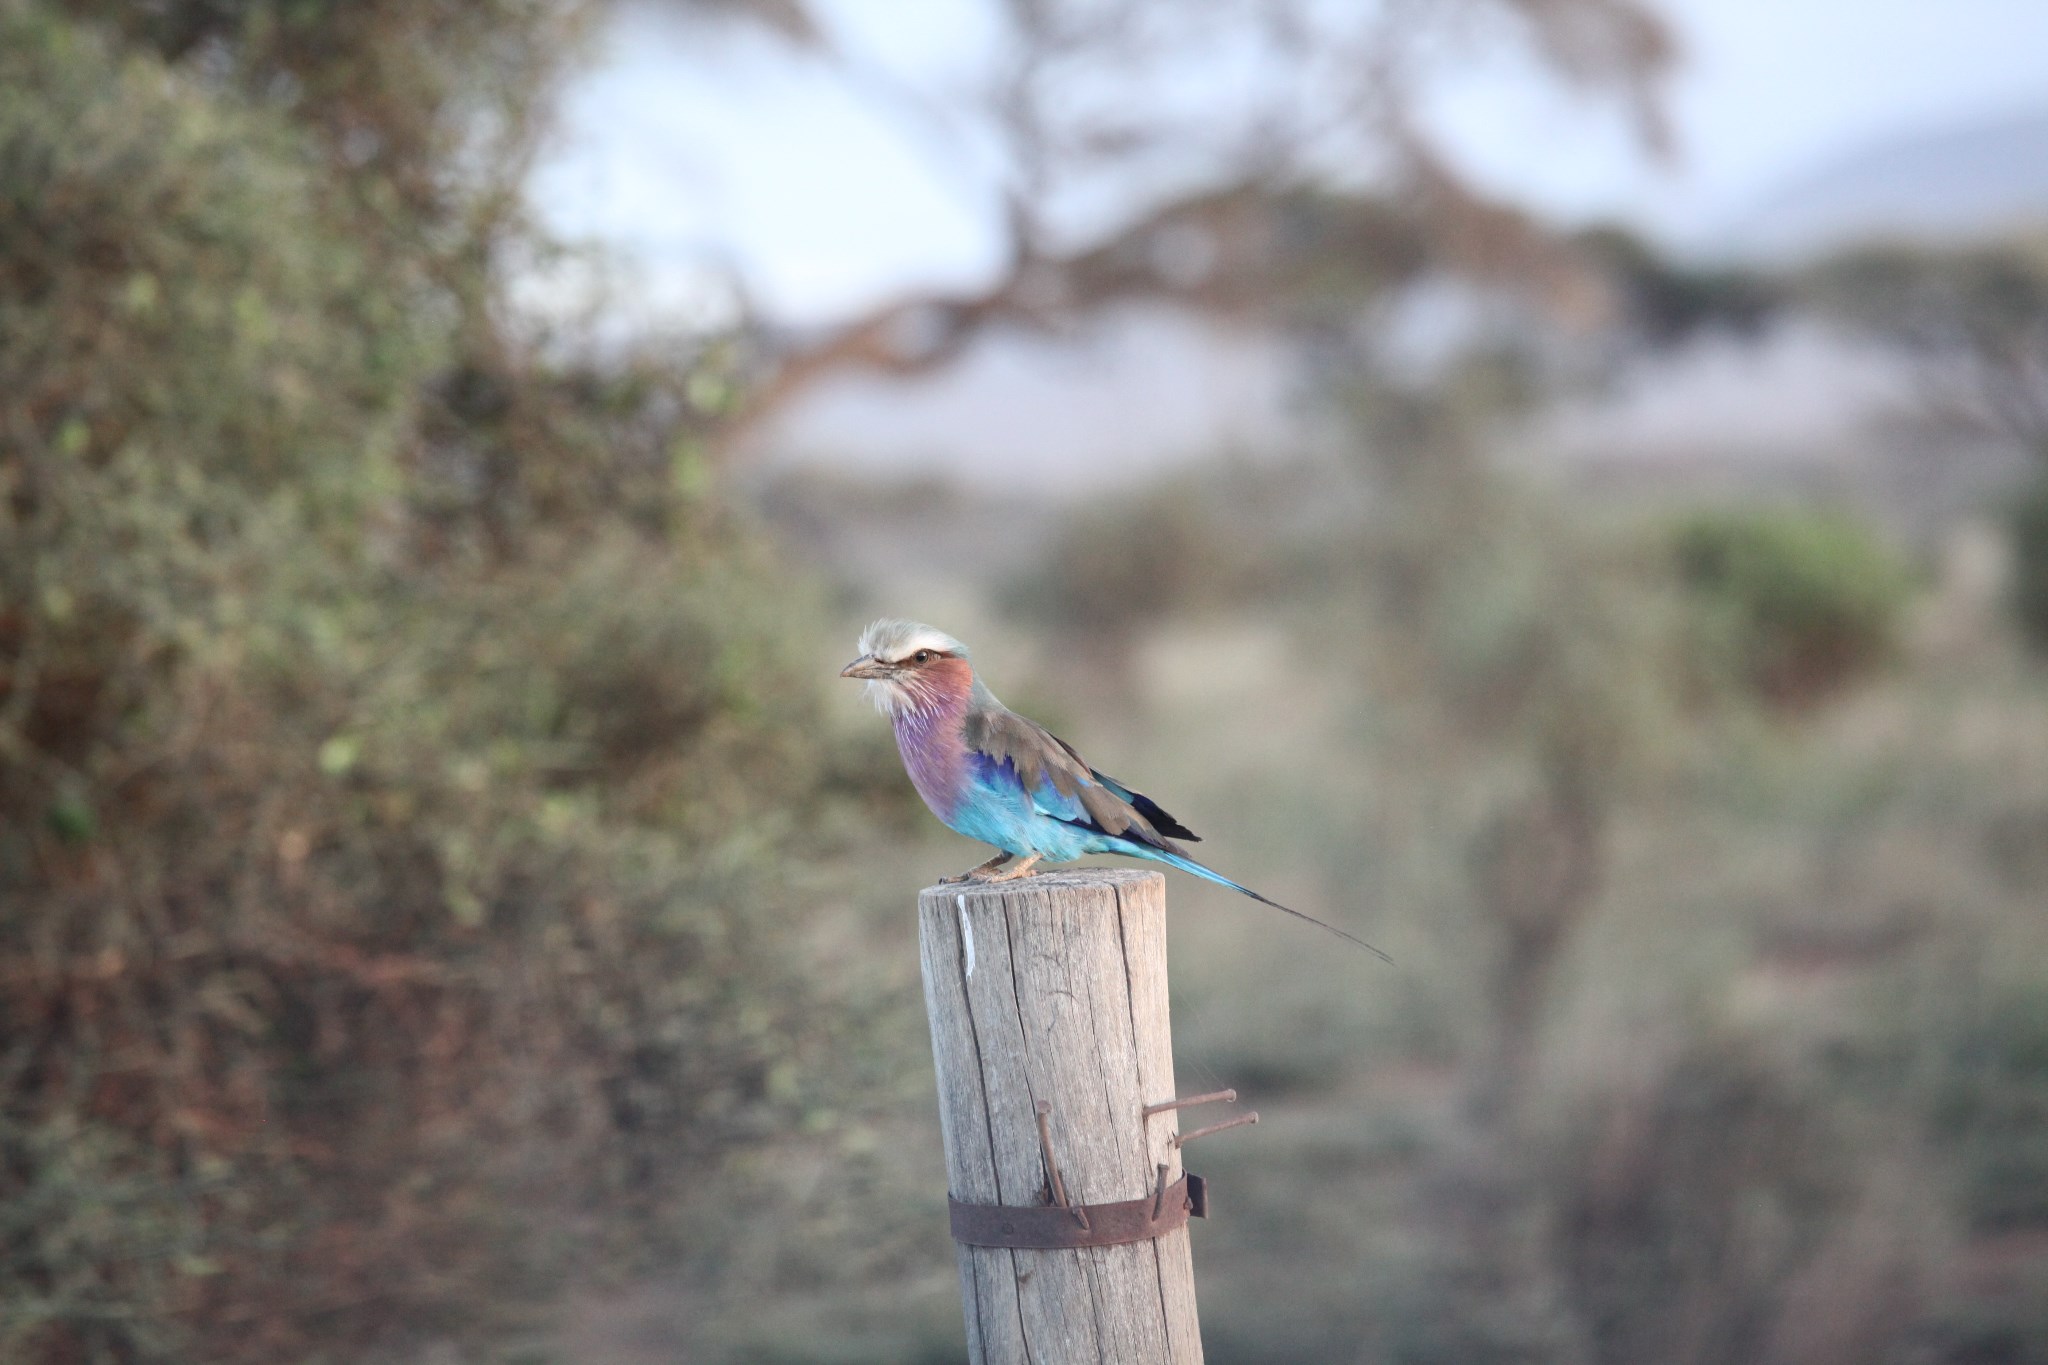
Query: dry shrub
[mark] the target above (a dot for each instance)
(1690, 1209)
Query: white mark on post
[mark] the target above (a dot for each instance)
(966, 931)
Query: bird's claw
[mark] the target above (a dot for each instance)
(981, 872)
(987, 871)
(1023, 869)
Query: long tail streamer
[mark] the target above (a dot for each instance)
(1190, 865)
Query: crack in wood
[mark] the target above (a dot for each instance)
(1073, 941)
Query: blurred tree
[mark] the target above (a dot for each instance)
(1525, 674)
(399, 745)
(1117, 571)
(1975, 319)
(1216, 195)
(1665, 301)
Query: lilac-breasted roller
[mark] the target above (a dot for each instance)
(992, 775)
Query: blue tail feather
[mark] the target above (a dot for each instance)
(1187, 864)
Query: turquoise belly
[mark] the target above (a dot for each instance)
(1009, 821)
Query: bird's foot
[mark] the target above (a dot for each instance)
(1022, 869)
(980, 873)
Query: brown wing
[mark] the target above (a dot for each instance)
(1042, 759)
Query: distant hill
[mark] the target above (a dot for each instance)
(1957, 184)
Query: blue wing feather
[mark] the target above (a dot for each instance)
(1027, 811)
(1045, 798)
(1023, 757)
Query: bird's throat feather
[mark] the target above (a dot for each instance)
(928, 724)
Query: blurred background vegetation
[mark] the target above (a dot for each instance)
(447, 913)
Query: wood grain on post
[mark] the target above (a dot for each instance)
(1053, 988)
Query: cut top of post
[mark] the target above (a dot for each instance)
(1053, 879)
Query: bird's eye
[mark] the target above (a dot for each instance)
(923, 656)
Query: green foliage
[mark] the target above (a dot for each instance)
(397, 757)
(195, 368)
(1794, 605)
(92, 1243)
(425, 110)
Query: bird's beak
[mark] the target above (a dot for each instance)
(866, 666)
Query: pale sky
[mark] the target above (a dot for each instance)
(688, 145)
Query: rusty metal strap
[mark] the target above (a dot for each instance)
(1047, 1226)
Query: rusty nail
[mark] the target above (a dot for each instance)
(1052, 1167)
(1183, 1139)
(1226, 1096)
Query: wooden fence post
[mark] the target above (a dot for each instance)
(1047, 1000)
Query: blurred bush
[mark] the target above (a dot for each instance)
(1665, 301)
(1794, 605)
(1115, 571)
(1684, 1220)
(2028, 521)
(1990, 1111)
(398, 745)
